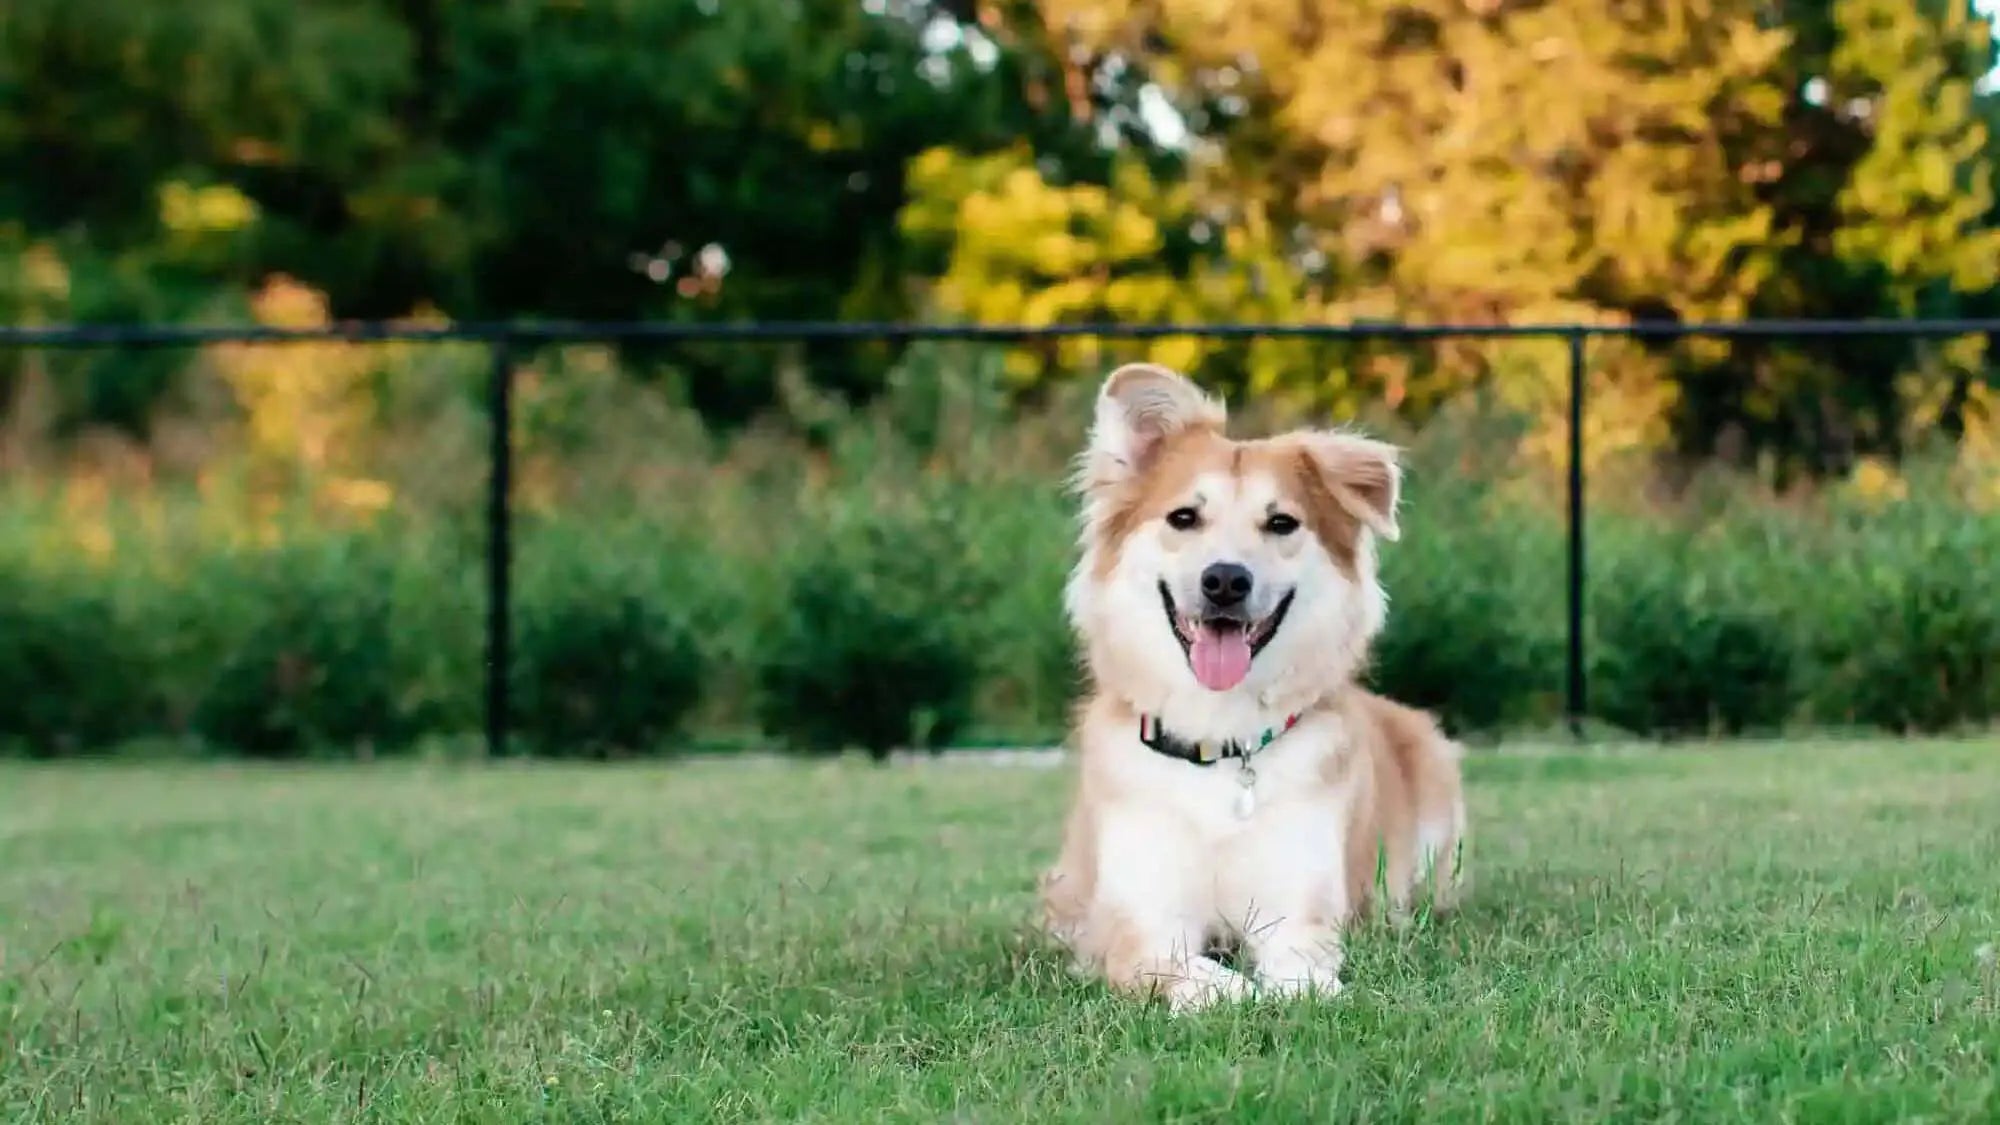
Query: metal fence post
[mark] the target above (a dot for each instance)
(1574, 699)
(500, 548)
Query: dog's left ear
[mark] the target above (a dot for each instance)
(1139, 407)
(1364, 476)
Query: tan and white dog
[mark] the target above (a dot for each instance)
(1236, 785)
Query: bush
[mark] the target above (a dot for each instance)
(1461, 651)
(1463, 640)
(871, 650)
(1675, 653)
(313, 668)
(70, 670)
(1916, 646)
(602, 666)
(1030, 666)
(884, 591)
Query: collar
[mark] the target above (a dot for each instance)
(1206, 752)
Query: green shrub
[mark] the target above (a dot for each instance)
(1916, 644)
(1461, 651)
(71, 671)
(603, 666)
(438, 643)
(1466, 636)
(312, 669)
(1034, 672)
(872, 647)
(901, 585)
(1021, 544)
(1675, 653)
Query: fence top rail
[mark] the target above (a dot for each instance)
(550, 332)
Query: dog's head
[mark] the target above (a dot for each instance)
(1238, 567)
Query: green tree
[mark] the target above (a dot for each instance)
(681, 159)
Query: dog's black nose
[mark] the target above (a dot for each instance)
(1225, 584)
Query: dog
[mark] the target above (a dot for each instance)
(1236, 786)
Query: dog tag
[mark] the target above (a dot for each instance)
(1246, 794)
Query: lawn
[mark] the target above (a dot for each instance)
(1778, 932)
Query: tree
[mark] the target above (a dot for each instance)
(1513, 160)
(1883, 196)
(604, 159)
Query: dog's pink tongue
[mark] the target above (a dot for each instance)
(1221, 658)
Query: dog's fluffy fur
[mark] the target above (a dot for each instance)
(1360, 798)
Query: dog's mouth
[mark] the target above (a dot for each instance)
(1220, 647)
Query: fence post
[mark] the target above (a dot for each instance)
(500, 548)
(1574, 698)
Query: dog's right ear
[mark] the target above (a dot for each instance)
(1140, 406)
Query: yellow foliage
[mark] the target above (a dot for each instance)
(1177, 352)
(1022, 250)
(1501, 164)
(822, 137)
(1057, 254)
(85, 504)
(366, 497)
(1056, 303)
(44, 275)
(307, 405)
(1876, 482)
(1982, 424)
(1131, 234)
(1916, 201)
(215, 209)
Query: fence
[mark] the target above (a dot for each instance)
(504, 339)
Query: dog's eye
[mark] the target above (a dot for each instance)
(1181, 519)
(1281, 524)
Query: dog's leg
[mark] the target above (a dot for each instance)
(1297, 956)
(1450, 877)
(1153, 907)
(1295, 903)
(1427, 873)
(1166, 961)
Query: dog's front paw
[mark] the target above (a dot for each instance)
(1287, 977)
(1317, 984)
(1204, 984)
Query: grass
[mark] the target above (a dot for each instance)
(1796, 931)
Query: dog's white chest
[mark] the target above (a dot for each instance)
(1250, 846)
(1198, 841)
(1246, 796)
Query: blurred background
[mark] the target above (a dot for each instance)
(277, 550)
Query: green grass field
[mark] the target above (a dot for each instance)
(1794, 932)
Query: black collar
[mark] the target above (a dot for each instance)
(1204, 752)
